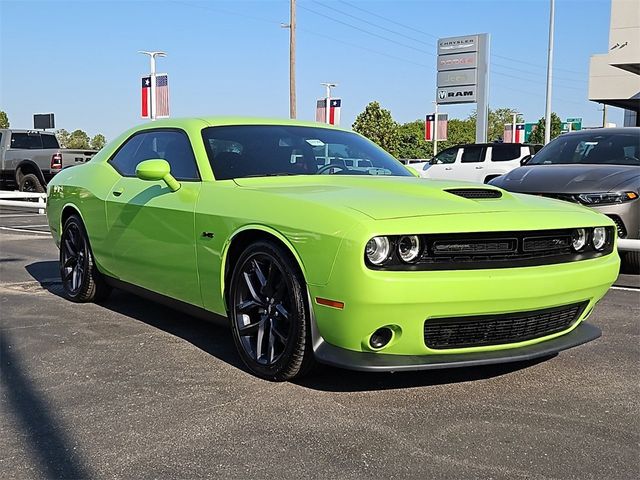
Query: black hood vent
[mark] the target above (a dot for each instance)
(475, 193)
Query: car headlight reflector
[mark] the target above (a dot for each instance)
(408, 247)
(599, 238)
(606, 198)
(377, 250)
(578, 239)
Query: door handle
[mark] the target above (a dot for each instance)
(447, 168)
(479, 168)
(118, 192)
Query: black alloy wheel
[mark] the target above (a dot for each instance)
(268, 313)
(30, 183)
(81, 280)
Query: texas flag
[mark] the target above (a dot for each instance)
(508, 133)
(146, 97)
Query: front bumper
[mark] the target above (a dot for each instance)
(372, 362)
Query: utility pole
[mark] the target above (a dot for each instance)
(292, 58)
(513, 126)
(604, 115)
(152, 58)
(547, 111)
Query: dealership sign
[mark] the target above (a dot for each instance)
(463, 75)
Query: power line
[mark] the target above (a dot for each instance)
(524, 62)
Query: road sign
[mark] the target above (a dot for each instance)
(575, 124)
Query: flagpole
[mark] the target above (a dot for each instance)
(435, 130)
(152, 58)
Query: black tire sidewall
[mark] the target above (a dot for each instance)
(33, 178)
(289, 364)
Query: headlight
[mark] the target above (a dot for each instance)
(578, 239)
(408, 247)
(599, 238)
(377, 250)
(606, 198)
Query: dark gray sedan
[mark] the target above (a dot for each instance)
(598, 168)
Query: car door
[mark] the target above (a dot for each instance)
(504, 157)
(442, 165)
(151, 227)
(471, 164)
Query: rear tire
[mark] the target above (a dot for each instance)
(30, 183)
(269, 315)
(81, 280)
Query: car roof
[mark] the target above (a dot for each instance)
(596, 131)
(216, 121)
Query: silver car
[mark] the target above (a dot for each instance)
(598, 168)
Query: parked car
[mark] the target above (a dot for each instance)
(477, 162)
(598, 168)
(30, 158)
(364, 267)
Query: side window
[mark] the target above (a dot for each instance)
(49, 141)
(447, 156)
(472, 155)
(1, 140)
(505, 152)
(170, 145)
(127, 157)
(174, 147)
(26, 141)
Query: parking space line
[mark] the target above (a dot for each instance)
(11, 229)
(626, 289)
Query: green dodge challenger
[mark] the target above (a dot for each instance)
(317, 245)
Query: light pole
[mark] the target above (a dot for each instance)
(328, 87)
(547, 111)
(152, 58)
(435, 129)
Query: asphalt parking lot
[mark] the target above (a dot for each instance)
(131, 389)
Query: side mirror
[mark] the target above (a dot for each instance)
(157, 169)
(524, 160)
(433, 161)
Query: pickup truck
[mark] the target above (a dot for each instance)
(30, 158)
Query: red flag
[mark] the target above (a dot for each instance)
(146, 96)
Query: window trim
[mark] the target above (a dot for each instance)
(152, 130)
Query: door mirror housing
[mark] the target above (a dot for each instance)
(157, 169)
(524, 160)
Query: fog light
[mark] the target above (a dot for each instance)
(599, 238)
(380, 338)
(578, 239)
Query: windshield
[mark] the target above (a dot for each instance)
(270, 150)
(606, 148)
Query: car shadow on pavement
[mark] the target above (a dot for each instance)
(217, 341)
(43, 433)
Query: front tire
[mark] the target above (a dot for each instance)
(269, 315)
(81, 280)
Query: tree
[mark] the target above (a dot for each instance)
(4, 120)
(78, 139)
(98, 141)
(458, 132)
(377, 125)
(497, 120)
(411, 141)
(63, 137)
(537, 136)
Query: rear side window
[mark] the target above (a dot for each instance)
(472, 155)
(505, 152)
(27, 141)
(170, 145)
(49, 141)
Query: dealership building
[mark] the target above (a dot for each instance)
(614, 77)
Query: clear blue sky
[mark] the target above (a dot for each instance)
(78, 59)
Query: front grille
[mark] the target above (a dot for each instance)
(622, 231)
(475, 193)
(483, 330)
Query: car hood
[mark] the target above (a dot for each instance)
(567, 178)
(383, 198)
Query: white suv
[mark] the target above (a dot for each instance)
(477, 162)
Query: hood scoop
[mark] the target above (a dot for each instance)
(475, 193)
